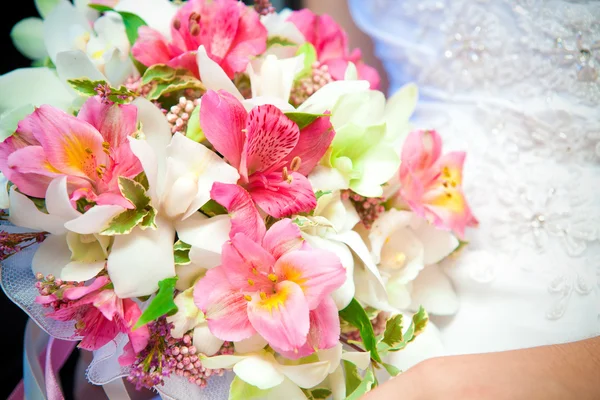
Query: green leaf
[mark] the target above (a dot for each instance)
(280, 40)
(134, 191)
(87, 87)
(181, 251)
(317, 393)
(158, 72)
(355, 314)
(352, 375)
(194, 130)
(212, 208)
(124, 223)
(321, 193)
(178, 83)
(392, 370)
(149, 220)
(44, 62)
(161, 304)
(131, 21)
(240, 390)
(420, 320)
(143, 180)
(393, 331)
(310, 56)
(45, 7)
(303, 119)
(364, 387)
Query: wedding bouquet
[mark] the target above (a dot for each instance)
(215, 199)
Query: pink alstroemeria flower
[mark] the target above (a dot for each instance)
(331, 44)
(100, 315)
(91, 149)
(279, 288)
(271, 154)
(431, 184)
(231, 33)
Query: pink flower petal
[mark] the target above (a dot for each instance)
(281, 198)
(368, 73)
(318, 272)
(312, 145)
(77, 293)
(97, 330)
(283, 237)
(28, 168)
(187, 61)
(151, 47)
(223, 119)
(270, 137)
(225, 307)
(247, 264)
(281, 317)
(131, 313)
(223, 28)
(114, 122)
(244, 215)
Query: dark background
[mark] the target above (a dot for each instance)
(13, 319)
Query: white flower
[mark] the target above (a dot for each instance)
(74, 250)
(181, 173)
(4, 203)
(281, 33)
(406, 248)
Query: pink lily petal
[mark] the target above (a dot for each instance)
(128, 357)
(125, 163)
(72, 146)
(244, 215)
(131, 313)
(223, 120)
(317, 272)
(370, 74)
(114, 122)
(223, 28)
(98, 330)
(271, 136)
(23, 137)
(151, 47)
(29, 169)
(187, 61)
(225, 307)
(283, 237)
(77, 293)
(247, 264)
(108, 303)
(282, 318)
(312, 145)
(280, 198)
(420, 151)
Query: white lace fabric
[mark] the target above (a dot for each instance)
(515, 84)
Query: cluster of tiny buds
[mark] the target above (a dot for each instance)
(188, 362)
(305, 87)
(263, 7)
(135, 85)
(50, 285)
(104, 91)
(12, 243)
(179, 115)
(368, 208)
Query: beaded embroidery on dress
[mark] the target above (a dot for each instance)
(516, 83)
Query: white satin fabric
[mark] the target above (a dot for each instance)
(515, 84)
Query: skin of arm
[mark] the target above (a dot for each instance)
(561, 372)
(338, 10)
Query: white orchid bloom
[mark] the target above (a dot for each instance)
(158, 14)
(189, 317)
(283, 36)
(74, 250)
(337, 236)
(181, 173)
(406, 249)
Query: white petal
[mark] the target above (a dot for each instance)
(351, 73)
(325, 98)
(57, 200)
(287, 390)
(369, 290)
(402, 255)
(188, 275)
(276, 77)
(259, 371)
(75, 64)
(158, 135)
(277, 26)
(399, 294)
(437, 243)
(344, 294)
(306, 375)
(219, 362)
(427, 345)
(432, 289)
(158, 14)
(341, 213)
(81, 271)
(337, 383)
(144, 152)
(213, 76)
(24, 213)
(399, 108)
(52, 256)
(362, 109)
(283, 105)
(138, 261)
(325, 179)
(28, 38)
(362, 359)
(44, 7)
(254, 343)
(333, 356)
(95, 220)
(33, 86)
(118, 68)
(206, 236)
(65, 28)
(205, 342)
(187, 317)
(384, 227)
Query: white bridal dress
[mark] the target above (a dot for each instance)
(516, 84)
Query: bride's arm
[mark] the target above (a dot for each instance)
(565, 371)
(338, 10)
